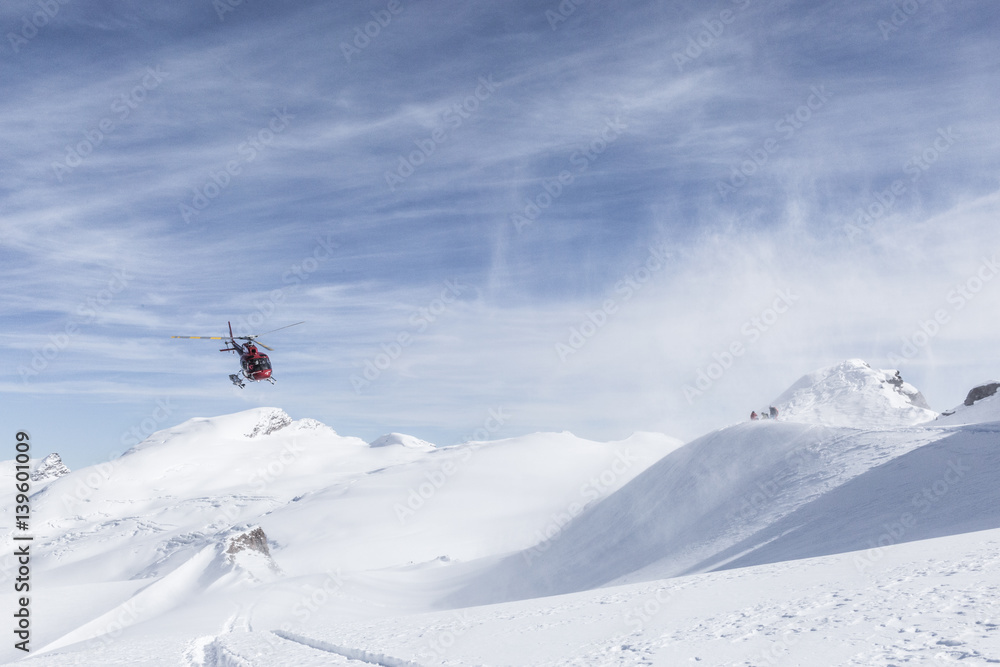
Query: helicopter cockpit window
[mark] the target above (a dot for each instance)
(259, 364)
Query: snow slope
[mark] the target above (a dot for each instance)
(795, 541)
(769, 491)
(931, 602)
(179, 490)
(159, 513)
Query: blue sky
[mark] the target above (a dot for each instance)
(595, 217)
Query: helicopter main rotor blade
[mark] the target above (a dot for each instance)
(205, 337)
(280, 328)
(253, 339)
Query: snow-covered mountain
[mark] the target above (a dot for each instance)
(154, 524)
(403, 440)
(253, 539)
(855, 395)
(311, 491)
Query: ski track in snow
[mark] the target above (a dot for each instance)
(350, 653)
(197, 654)
(220, 650)
(245, 648)
(242, 649)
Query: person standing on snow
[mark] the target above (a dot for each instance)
(774, 412)
(753, 416)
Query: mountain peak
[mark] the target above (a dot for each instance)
(50, 467)
(410, 441)
(270, 420)
(854, 394)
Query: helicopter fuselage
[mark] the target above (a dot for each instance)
(255, 364)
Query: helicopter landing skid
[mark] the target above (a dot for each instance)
(237, 380)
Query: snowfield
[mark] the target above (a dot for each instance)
(857, 529)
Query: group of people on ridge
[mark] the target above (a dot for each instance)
(772, 414)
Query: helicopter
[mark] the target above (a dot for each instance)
(254, 364)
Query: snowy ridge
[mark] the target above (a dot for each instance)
(308, 424)
(721, 494)
(401, 439)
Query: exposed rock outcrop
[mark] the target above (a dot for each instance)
(50, 467)
(269, 422)
(906, 389)
(981, 392)
(253, 540)
(247, 553)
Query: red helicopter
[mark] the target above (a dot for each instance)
(255, 364)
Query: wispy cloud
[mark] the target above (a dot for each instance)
(748, 156)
